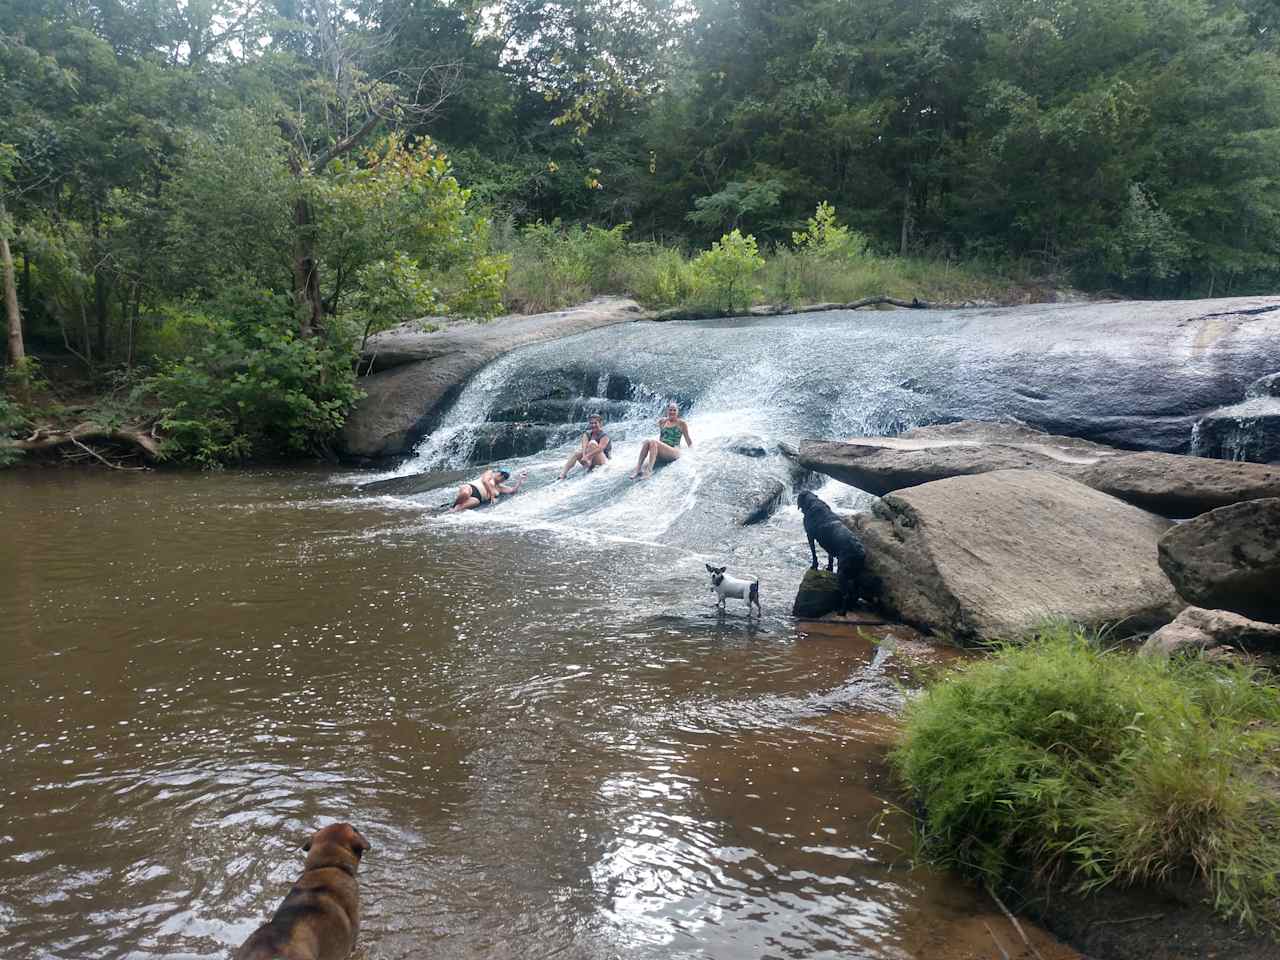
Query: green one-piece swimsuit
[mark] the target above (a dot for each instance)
(670, 435)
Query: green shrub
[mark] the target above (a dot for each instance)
(725, 272)
(1100, 767)
(661, 277)
(825, 239)
(249, 386)
(555, 266)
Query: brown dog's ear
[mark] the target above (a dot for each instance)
(359, 844)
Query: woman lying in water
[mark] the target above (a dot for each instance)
(667, 447)
(485, 489)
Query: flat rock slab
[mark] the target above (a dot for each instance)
(1165, 483)
(1177, 486)
(997, 554)
(1228, 559)
(401, 404)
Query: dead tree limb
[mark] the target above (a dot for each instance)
(46, 438)
(94, 453)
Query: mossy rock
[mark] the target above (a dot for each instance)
(819, 594)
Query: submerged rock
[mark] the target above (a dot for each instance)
(995, 555)
(1196, 629)
(417, 483)
(764, 504)
(1228, 559)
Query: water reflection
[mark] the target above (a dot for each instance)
(554, 747)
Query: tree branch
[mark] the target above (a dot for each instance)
(46, 439)
(345, 145)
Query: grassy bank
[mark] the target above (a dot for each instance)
(554, 266)
(1097, 768)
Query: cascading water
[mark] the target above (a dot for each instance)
(745, 385)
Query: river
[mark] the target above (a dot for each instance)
(553, 743)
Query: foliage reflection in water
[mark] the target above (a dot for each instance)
(554, 746)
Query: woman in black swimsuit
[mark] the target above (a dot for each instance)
(485, 489)
(594, 451)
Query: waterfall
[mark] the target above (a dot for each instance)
(747, 385)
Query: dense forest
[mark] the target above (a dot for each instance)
(211, 203)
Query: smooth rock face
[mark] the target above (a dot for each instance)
(1196, 628)
(417, 483)
(1228, 559)
(403, 403)
(819, 594)
(995, 555)
(1178, 486)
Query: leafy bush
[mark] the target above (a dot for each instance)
(825, 239)
(1101, 766)
(726, 270)
(555, 265)
(662, 277)
(391, 291)
(248, 385)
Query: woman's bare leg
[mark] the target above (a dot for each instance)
(644, 453)
(660, 450)
(569, 464)
(465, 499)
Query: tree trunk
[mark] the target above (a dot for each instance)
(906, 218)
(306, 273)
(100, 306)
(16, 349)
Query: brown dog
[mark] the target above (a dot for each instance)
(320, 917)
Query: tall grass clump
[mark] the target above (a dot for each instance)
(1097, 767)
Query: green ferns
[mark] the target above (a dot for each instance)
(1099, 767)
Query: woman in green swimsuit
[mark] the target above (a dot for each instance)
(667, 447)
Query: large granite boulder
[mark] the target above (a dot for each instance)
(1165, 483)
(1228, 559)
(994, 555)
(428, 369)
(1197, 630)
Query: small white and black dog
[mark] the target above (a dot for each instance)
(726, 587)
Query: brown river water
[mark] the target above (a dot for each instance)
(554, 746)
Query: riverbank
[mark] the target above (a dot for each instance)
(1069, 772)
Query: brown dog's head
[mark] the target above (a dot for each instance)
(338, 844)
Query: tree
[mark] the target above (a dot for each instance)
(338, 107)
(13, 316)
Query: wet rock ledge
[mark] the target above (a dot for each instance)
(417, 373)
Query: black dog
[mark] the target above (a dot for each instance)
(822, 524)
